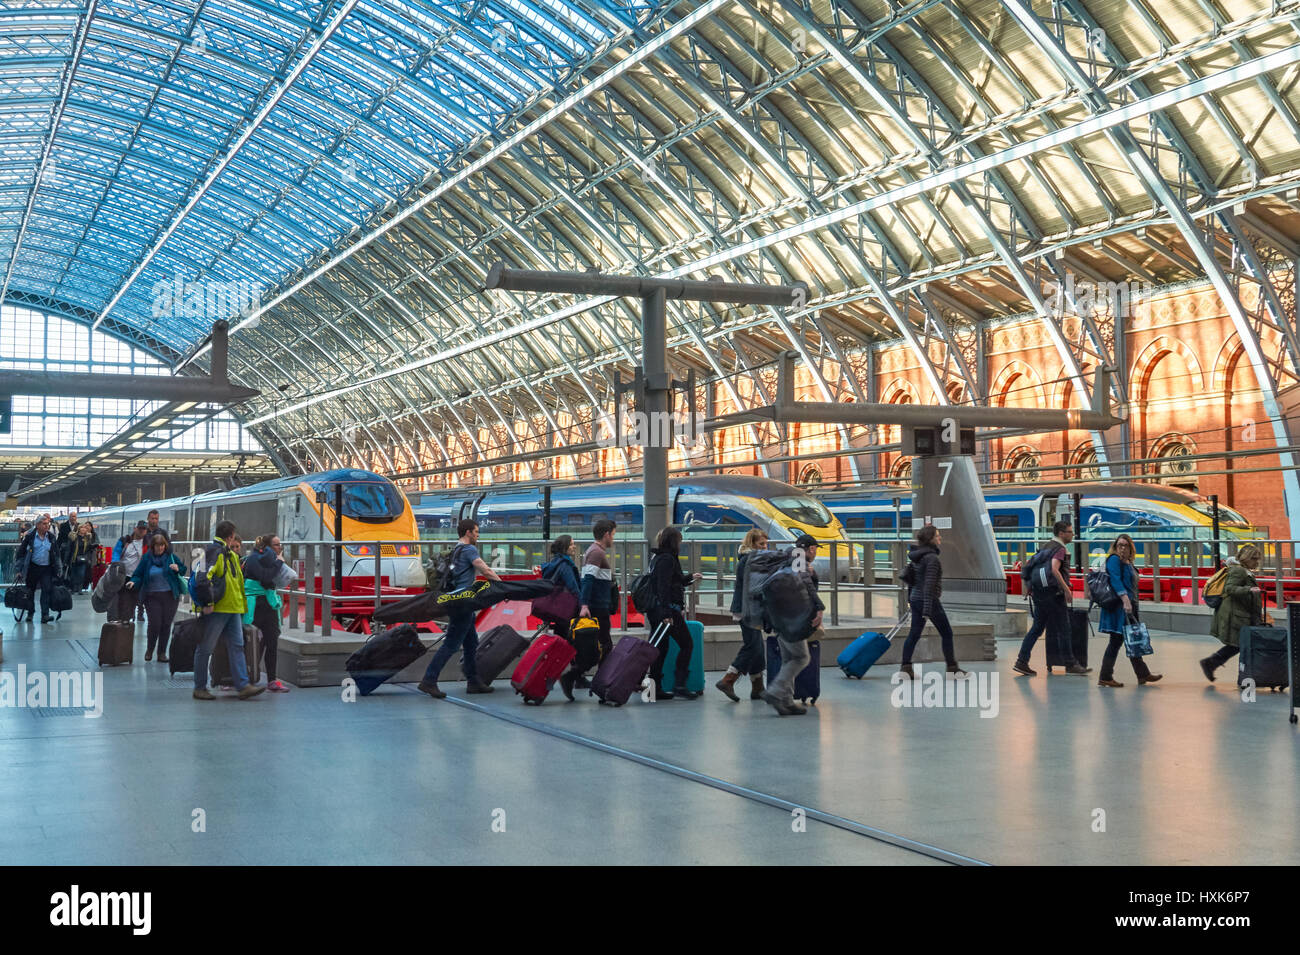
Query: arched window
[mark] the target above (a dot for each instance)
(810, 476)
(1084, 458)
(1172, 458)
(1024, 462)
(901, 469)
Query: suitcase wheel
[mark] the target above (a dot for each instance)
(1294, 718)
(531, 701)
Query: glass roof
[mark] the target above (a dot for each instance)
(117, 114)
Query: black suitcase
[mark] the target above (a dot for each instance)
(116, 643)
(497, 650)
(808, 684)
(220, 659)
(1263, 657)
(1080, 628)
(384, 655)
(187, 634)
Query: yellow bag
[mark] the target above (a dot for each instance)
(578, 624)
(1212, 595)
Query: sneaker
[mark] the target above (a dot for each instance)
(1207, 667)
(203, 695)
(782, 707)
(480, 688)
(277, 686)
(431, 689)
(250, 691)
(1022, 666)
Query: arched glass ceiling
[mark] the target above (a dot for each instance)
(225, 141)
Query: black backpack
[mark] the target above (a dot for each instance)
(643, 590)
(1035, 573)
(437, 575)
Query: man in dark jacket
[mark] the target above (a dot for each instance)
(794, 649)
(596, 591)
(39, 558)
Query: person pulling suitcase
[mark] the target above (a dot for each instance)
(925, 586)
(792, 640)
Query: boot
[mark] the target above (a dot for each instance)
(727, 685)
(756, 686)
(1208, 668)
(907, 668)
(956, 670)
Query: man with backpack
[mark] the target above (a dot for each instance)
(596, 591)
(1046, 575)
(793, 624)
(465, 565)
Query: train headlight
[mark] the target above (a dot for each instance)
(360, 550)
(405, 550)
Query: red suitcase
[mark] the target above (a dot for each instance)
(542, 664)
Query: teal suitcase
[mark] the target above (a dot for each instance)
(695, 677)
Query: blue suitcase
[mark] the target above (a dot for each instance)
(808, 684)
(860, 655)
(694, 676)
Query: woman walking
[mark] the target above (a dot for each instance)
(1124, 581)
(158, 582)
(750, 658)
(261, 568)
(562, 569)
(670, 601)
(924, 590)
(1242, 606)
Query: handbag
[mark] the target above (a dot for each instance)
(19, 597)
(1137, 641)
(559, 606)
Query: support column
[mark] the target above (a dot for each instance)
(654, 359)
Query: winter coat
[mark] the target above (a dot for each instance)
(929, 577)
(670, 583)
(1240, 608)
(561, 569)
(1123, 580)
(221, 561)
(140, 578)
(738, 594)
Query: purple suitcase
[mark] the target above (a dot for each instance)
(624, 670)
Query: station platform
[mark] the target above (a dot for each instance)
(397, 778)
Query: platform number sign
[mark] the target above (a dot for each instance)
(6, 415)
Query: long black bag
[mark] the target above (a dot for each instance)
(60, 597)
(1078, 636)
(478, 596)
(1263, 657)
(383, 656)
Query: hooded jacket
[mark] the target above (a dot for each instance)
(670, 581)
(929, 577)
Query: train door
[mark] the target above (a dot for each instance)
(203, 527)
(295, 519)
(1049, 510)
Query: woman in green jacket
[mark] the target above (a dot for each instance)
(1242, 606)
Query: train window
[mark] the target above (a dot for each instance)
(882, 523)
(514, 520)
(855, 523)
(576, 520)
(1005, 520)
(369, 501)
(804, 509)
(532, 520)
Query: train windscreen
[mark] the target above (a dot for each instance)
(372, 502)
(1226, 514)
(805, 510)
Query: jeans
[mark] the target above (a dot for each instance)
(459, 632)
(682, 637)
(751, 658)
(1222, 655)
(42, 576)
(215, 626)
(267, 619)
(940, 621)
(794, 657)
(1053, 615)
(160, 605)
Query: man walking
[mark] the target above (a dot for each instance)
(794, 644)
(1050, 598)
(597, 588)
(466, 564)
(38, 557)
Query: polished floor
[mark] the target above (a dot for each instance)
(1066, 773)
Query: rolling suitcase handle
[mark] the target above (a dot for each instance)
(898, 627)
(660, 632)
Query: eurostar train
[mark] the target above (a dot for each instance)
(1021, 512)
(374, 510)
(719, 508)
